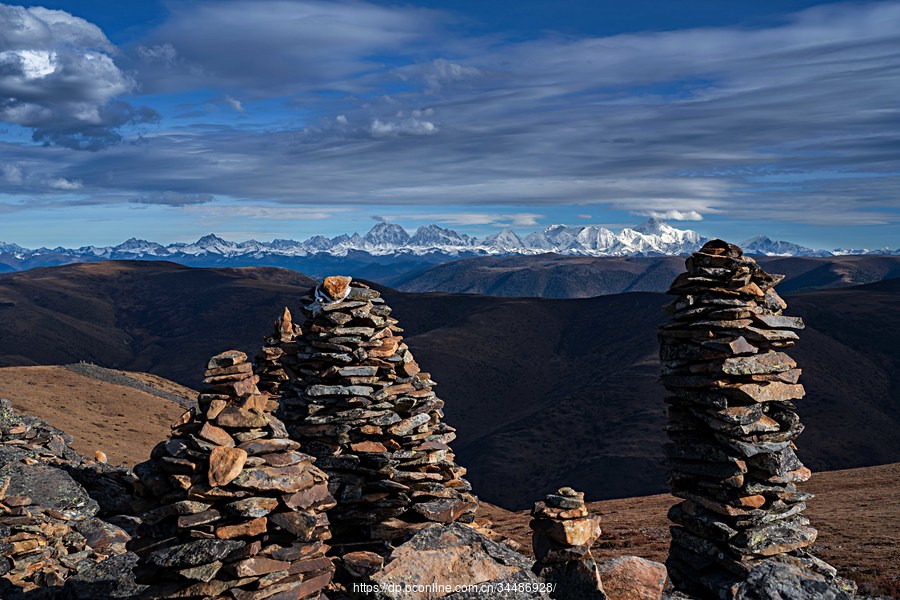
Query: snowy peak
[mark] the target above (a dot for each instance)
(506, 241)
(764, 246)
(136, 247)
(387, 234)
(433, 236)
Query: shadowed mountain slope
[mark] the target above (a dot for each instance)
(543, 392)
(555, 276)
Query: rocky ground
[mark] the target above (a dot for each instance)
(854, 511)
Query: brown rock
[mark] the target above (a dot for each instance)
(225, 464)
(226, 359)
(248, 529)
(572, 532)
(337, 286)
(281, 479)
(375, 447)
(633, 578)
(362, 564)
(216, 435)
(215, 407)
(238, 417)
(259, 566)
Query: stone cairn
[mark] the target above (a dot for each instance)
(354, 397)
(732, 423)
(562, 534)
(238, 511)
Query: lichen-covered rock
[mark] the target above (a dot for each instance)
(437, 560)
(774, 579)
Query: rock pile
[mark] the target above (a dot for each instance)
(353, 396)
(732, 423)
(238, 510)
(42, 547)
(562, 533)
(49, 529)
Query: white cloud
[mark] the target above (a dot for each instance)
(12, 174)
(674, 215)
(172, 199)
(410, 126)
(583, 216)
(235, 104)
(63, 184)
(525, 219)
(58, 77)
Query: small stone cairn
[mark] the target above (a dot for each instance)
(562, 534)
(354, 397)
(732, 424)
(279, 350)
(238, 512)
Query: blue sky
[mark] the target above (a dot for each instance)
(288, 118)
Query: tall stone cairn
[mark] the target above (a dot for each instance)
(562, 534)
(238, 512)
(355, 398)
(732, 424)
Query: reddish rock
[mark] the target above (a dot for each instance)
(337, 286)
(216, 435)
(633, 578)
(248, 529)
(225, 464)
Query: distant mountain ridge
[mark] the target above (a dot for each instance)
(430, 243)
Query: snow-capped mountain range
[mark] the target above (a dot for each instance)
(652, 238)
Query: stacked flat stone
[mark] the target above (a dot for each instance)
(562, 534)
(278, 347)
(42, 547)
(239, 512)
(732, 423)
(49, 528)
(355, 398)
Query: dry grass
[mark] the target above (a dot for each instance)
(123, 422)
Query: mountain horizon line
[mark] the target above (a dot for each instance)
(653, 237)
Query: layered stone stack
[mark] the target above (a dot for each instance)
(43, 547)
(354, 397)
(732, 424)
(278, 348)
(50, 534)
(239, 512)
(562, 534)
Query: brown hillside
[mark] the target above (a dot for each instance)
(122, 421)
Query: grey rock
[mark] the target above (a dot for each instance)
(53, 487)
(776, 580)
